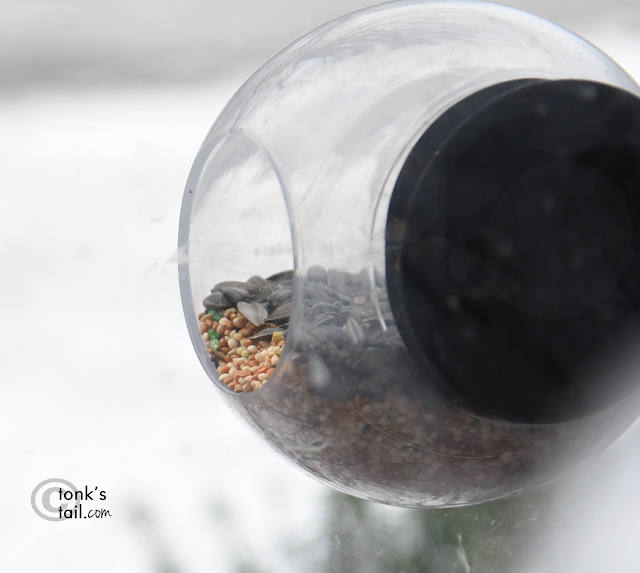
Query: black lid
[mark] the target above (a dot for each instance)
(512, 249)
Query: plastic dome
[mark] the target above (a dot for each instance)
(455, 188)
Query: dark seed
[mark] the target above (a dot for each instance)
(360, 281)
(321, 307)
(259, 284)
(317, 274)
(341, 297)
(280, 315)
(280, 277)
(216, 301)
(338, 280)
(226, 284)
(354, 312)
(326, 319)
(377, 338)
(330, 334)
(266, 334)
(280, 297)
(258, 297)
(235, 294)
(320, 287)
(370, 313)
(316, 296)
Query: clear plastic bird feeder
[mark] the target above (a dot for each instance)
(456, 188)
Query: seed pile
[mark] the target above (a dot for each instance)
(347, 333)
(244, 327)
(351, 406)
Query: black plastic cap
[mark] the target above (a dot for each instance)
(513, 243)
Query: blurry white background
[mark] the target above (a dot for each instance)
(103, 105)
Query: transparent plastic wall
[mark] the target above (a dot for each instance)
(298, 173)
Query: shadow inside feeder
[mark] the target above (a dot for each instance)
(512, 249)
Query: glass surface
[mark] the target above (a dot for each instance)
(301, 167)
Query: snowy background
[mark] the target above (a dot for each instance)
(103, 106)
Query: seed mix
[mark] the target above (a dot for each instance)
(350, 404)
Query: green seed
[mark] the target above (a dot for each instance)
(213, 334)
(211, 312)
(216, 316)
(214, 345)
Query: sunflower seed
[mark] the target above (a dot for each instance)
(332, 334)
(259, 298)
(320, 287)
(253, 312)
(226, 284)
(281, 277)
(338, 280)
(317, 274)
(341, 297)
(235, 294)
(259, 284)
(280, 297)
(280, 315)
(266, 334)
(321, 307)
(317, 296)
(216, 301)
(326, 319)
